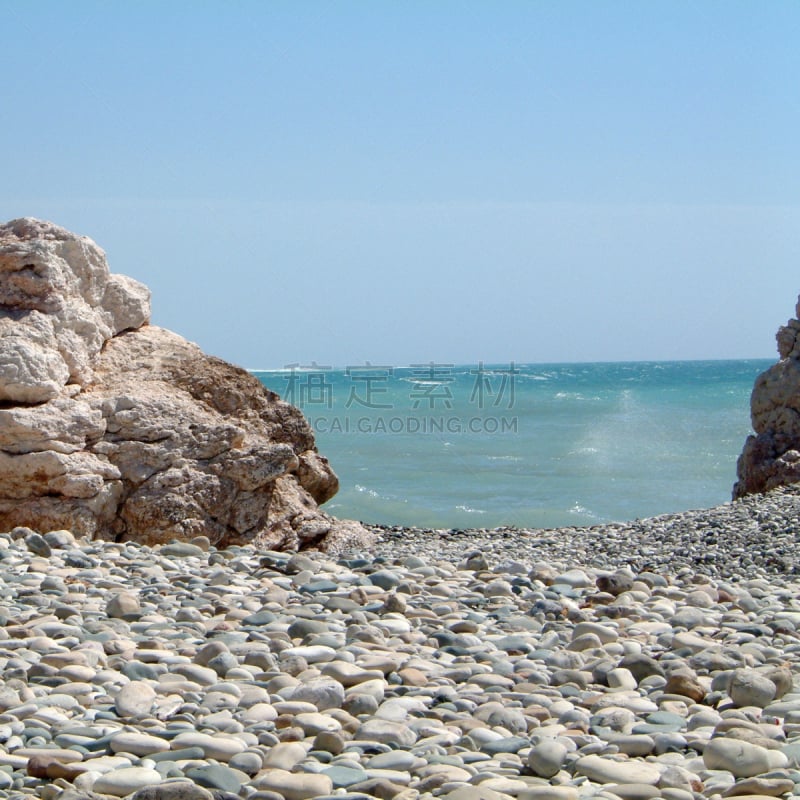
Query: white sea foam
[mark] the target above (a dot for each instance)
(470, 510)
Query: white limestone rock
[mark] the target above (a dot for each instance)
(114, 428)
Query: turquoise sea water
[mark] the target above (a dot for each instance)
(528, 445)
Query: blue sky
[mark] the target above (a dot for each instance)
(449, 181)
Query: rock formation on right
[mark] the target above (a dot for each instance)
(771, 457)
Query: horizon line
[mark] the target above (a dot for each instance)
(300, 367)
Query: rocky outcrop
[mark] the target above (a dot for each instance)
(117, 429)
(771, 457)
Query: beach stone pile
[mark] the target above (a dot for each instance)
(114, 428)
(183, 670)
(757, 534)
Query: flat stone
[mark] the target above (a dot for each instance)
(342, 777)
(173, 790)
(313, 723)
(294, 786)
(508, 744)
(548, 793)
(479, 793)
(324, 693)
(216, 776)
(349, 674)
(284, 756)
(401, 760)
(140, 744)
(607, 770)
(122, 782)
(58, 754)
(182, 550)
(606, 634)
(313, 654)
(772, 787)
(634, 744)
(220, 748)
(634, 791)
(387, 732)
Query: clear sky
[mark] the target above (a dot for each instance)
(422, 181)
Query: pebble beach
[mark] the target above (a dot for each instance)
(651, 659)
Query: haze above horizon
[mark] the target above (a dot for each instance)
(456, 182)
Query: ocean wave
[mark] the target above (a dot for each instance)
(470, 510)
(504, 458)
(385, 498)
(427, 381)
(580, 396)
(577, 508)
(289, 370)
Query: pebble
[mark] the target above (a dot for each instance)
(294, 786)
(546, 758)
(749, 688)
(742, 759)
(122, 782)
(616, 662)
(607, 770)
(135, 699)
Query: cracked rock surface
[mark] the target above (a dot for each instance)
(771, 457)
(118, 429)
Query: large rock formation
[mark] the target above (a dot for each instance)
(117, 429)
(771, 458)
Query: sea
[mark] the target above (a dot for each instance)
(450, 446)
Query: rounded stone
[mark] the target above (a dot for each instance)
(135, 699)
(123, 605)
(741, 759)
(750, 688)
(685, 683)
(173, 790)
(324, 693)
(220, 748)
(386, 732)
(547, 758)
(122, 782)
(284, 756)
(294, 786)
(607, 770)
(139, 744)
(216, 776)
(249, 762)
